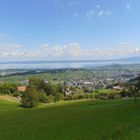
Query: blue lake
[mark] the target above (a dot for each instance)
(57, 65)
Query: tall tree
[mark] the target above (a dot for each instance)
(30, 97)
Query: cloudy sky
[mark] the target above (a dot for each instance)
(69, 29)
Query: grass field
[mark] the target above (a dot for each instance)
(73, 120)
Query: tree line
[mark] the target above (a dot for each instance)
(47, 92)
(41, 91)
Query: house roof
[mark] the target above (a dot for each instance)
(21, 88)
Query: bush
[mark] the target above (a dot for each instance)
(30, 98)
(102, 96)
(7, 88)
(58, 97)
(127, 93)
(50, 99)
(91, 96)
(117, 96)
(16, 94)
(75, 96)
(42, 96)
(68, 97)
(111, 96)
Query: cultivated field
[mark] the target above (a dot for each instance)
(73, 120)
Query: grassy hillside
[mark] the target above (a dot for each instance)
(52, 75)
(74, 120)
(8, 98)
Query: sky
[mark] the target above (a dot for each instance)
(69, 29)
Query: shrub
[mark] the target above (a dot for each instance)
(102, 96)
(16, 94)
(68, 97)
(7, 88)
(111, 96)
(123, 93)
(30, 98)
(42, 96)
(75, 96)
(117, 96)
(91, 96)
(58, 97)
(50, 99)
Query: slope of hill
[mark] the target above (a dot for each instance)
(83, 120)
(8, 98)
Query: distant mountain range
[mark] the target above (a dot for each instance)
(128, 59)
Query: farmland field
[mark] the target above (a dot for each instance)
(71, 120)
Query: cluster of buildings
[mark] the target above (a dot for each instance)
(106, 81)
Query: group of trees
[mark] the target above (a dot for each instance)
(131, 89)
(134, 87)
(79, 96)
(105, 96)
(40, 91)
(8, 88)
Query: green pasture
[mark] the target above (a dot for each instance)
(71, 120)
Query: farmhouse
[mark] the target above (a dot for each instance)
(117, 88)
(21, 88)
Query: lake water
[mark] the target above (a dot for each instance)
(56, 65)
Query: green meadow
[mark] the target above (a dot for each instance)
(71, 120)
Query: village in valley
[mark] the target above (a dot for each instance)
(88, 82)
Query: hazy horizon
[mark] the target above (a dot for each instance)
(64, 64)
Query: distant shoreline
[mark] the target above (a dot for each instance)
(63, 65)
(119, 60)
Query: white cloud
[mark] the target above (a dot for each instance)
(67, 3)
(11, 51)
(100, 13)
(56, 1)
(70, 51)
(97, 6)
(75, 14)
(73, 3)
(97, 11)
(128, 7)
(125, 43)
(90, 14)
(108, 13)
(4, 37)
